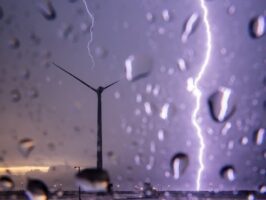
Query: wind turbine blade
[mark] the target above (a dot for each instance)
(72, 75)
(110, 85)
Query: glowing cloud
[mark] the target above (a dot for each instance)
(197, 93)
(91, 32)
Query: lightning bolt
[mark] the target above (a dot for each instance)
(197, 93)
(91, 31)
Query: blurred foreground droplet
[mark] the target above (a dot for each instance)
(26, 146)
(6, 183)
(36, 190)
(179, 164)
(15, 95)
(137, 67)
(93, 180)
(222, 105)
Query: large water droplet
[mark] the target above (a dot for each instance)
(222, 104)
(257, 26)
(93, 180)
(47, 10)
(190, 26)
(179, 164)
(36, 190)
(228, 173)
(259, 136)
(26, 146)
(6, 183)
(138, 66)
(15, 95)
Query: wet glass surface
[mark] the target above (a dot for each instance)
(188, 112)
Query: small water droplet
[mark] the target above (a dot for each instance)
(101, 52)
(222, 105)
(259, 136)
(228, 173)
(33, 93)
(161, 135)
(257, 26)
(167, 111)
(166, 15)
(179, 164)
(37, 190)
(231, 10)
(47, 10)
(181, 64)
(26, 146)
(65, 31)
(226, 128)
(137, 67)
(6, 183)
(15, 95)
(149, 17)
(59, 193)
(149, 109)
(93, 180)
(148, 191)
(14, 43)
(244, 141)
(262, 189)
(190, 27)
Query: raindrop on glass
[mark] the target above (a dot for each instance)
(244, 141)
(262, 189)
(166, 15)
(167, 111)
(190, 27)
(179, 164)
(222, 105)
(161, 135)
(37, 190)
(15, 95)
(26, 146)
(6, 183)
(100, 52)
(47, 10)
(228, 173)
(149, 17)
(137, 67)
(257, 26)
(181, 64)
(231, 10)
(14, 43)
(93, 180)
(33, 93)
(259, 136)
(251, 197)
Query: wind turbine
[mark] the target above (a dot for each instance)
(99, 92)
